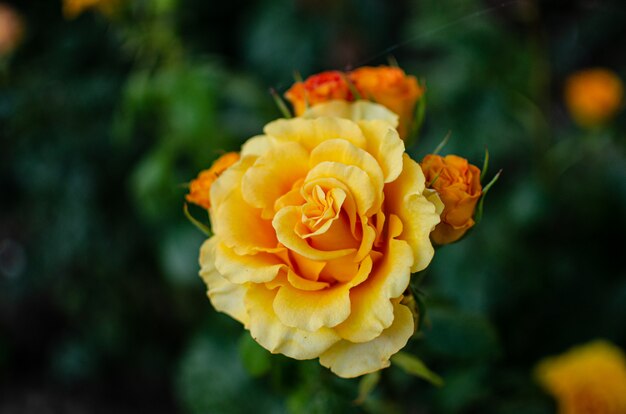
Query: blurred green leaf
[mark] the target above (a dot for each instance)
(255, 358)
(367, 384)
(414, 366)
(458, 335)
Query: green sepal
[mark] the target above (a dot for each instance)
(414, 366)
(483, 172)
(418, 121)
(367, 384)
(443, 143)
(199, 225)
(280, 104)
(479, 210)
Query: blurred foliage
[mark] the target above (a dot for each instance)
(104, 119)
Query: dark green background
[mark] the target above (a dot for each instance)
(102, 120)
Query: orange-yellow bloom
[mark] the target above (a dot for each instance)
(317, 229)
(73, 8)
(593, 96)
(200, 188)
(392, 88)
(11, 29)
(316, 89)
(458, 184)
(587, 379)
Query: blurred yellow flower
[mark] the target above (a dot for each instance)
(317, 229)
(392, 88)
(199, 189)
(458, 184)
(593, 96)
(11, 29)
(588, 379)
(73, 8)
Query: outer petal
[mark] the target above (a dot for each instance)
(311, 132)
(372, 311)
(384, 143)
(256, 268)
(356, 111)
(348, 360)
(404, 197)
(268, 331)
(256, 146)
(225, 296)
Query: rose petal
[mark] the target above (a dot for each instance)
(285, 222)
(281, 166)
(349, 360)
(276, 337)
(372, 311)
(312, 132)
(256, 268)
(404, 197)
(312, 310)
(356, 111)
(384, 143)
(225, 296)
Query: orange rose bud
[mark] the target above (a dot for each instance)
(392, 88)
(458, 184)
(317, 89)
(593, 96)
(200, 188)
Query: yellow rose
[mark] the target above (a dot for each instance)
(392, 88)
(317, 229)
(587, 379)
(199, 189)
(458, 184)
(593, 96)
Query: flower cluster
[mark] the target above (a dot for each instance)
(319, 223)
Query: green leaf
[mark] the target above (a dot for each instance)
(366, 386)
(414, 366)
(255, 358)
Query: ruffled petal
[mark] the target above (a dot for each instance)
(312, 132)
(349, 360)
(271, 334)
(225, 296)
(255, 268)
(404, 197)
(285, 222)
(355, 111)
(384, 143)
(281, 166)
(372, 311)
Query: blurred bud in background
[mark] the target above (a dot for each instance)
(392, 88)
(458, 184)
(317, 89)
(590, 378)
(73, 8)
(593, 96)
(11, 29)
